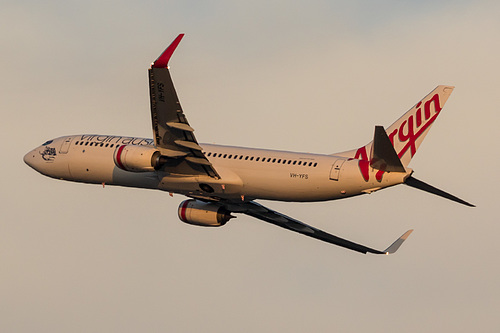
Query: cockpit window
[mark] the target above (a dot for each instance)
(48, 142)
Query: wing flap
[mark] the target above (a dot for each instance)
(188, 144)
(198, 160)
(181, 126)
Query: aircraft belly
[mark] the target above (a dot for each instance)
(229, 186)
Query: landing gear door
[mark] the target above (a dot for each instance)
(334, 173)
(65, 145)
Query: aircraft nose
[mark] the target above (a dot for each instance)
(29, 158)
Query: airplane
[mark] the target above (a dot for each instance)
(223, 180)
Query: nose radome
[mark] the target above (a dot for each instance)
(29, 157)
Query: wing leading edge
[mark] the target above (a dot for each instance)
(268, 215)
(173, 135)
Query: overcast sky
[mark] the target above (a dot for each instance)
(313, 76)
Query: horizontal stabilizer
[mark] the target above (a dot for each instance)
(413, 182)
(383, 156)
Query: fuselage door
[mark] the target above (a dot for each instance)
(334, 173)
(65, 145)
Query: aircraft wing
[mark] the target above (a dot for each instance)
(268, 215)
(173, 135)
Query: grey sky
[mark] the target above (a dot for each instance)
(312, 76)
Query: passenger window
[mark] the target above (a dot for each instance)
(251, 158)
(279, 161)
(257, 159)
(315, 164)
(87, 143)
(300, 163)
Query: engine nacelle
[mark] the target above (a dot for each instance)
(203, 214)
(136, 158)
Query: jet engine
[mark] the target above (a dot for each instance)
(203, 213)
(137, 158)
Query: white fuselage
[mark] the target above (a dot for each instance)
(245, 173)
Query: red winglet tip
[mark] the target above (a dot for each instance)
(162, 61)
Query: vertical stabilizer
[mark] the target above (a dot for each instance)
(408, 132)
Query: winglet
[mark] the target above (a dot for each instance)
(162, 61)
(395, 246)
